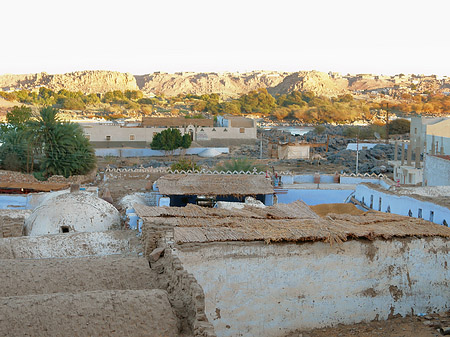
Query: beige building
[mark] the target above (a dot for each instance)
(202, 131)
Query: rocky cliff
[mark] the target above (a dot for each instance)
(85, 81)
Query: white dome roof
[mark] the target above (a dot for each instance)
(72, 212)
(209, 153)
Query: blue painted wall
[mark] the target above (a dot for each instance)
(315, 197)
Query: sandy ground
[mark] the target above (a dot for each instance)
(46, 276)
(395, 327)
(96, 313)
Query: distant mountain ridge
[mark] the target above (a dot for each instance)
(228, 84)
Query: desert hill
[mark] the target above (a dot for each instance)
(228, 84)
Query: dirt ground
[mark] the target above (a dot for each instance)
(395, 327)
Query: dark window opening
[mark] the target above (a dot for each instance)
(64, 229)
(419, 213)
(388, 209)
(431, 216)
(371, 201)
(379, 204)
(409, 213)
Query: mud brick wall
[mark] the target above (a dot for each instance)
(185, 295)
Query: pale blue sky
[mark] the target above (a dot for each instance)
(205, 35)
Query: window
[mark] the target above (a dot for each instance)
(88, 136)
(64, 229)
(409, 213)
(108, 137)
(371, 201)
(242, 130)
(431, 216)
(132, 137)
(419, 213)
(388, 210)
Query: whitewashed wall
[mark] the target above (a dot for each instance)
(401, 204)
(255, 289)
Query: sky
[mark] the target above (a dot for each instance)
(141, 37)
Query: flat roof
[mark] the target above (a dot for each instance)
(214, 184)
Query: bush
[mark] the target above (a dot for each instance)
(399, 126)
(185, 165)
(242, 164)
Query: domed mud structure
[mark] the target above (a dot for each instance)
(71, 212)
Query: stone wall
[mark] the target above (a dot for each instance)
(258, 289)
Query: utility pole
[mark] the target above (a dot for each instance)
(357, 152)
(387, 123)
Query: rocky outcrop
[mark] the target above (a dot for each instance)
(226, 84)
(317, 82)
(84, 81)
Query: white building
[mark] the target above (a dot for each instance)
(237, 130)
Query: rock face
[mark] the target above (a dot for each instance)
(226, 84)
(84, 81)
(315, 81)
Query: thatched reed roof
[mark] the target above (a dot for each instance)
(337, 228)
(283, 222)
(295, 210)
(214, 184)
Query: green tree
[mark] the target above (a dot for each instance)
(59, 148)
(17, 117)
(169, 140)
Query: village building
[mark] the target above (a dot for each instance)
(204, 131)
(436, 171)
(183, 189)
(290, 150)
(260, 268)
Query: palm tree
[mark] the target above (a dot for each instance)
(59, 148)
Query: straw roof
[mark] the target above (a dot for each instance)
(214, 184)
(295, 210)
(283, 222)
(337, 228)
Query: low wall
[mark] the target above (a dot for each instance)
(258, 289)
(401, 204)
(130, 153)
(328, 179)
(314, 197)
